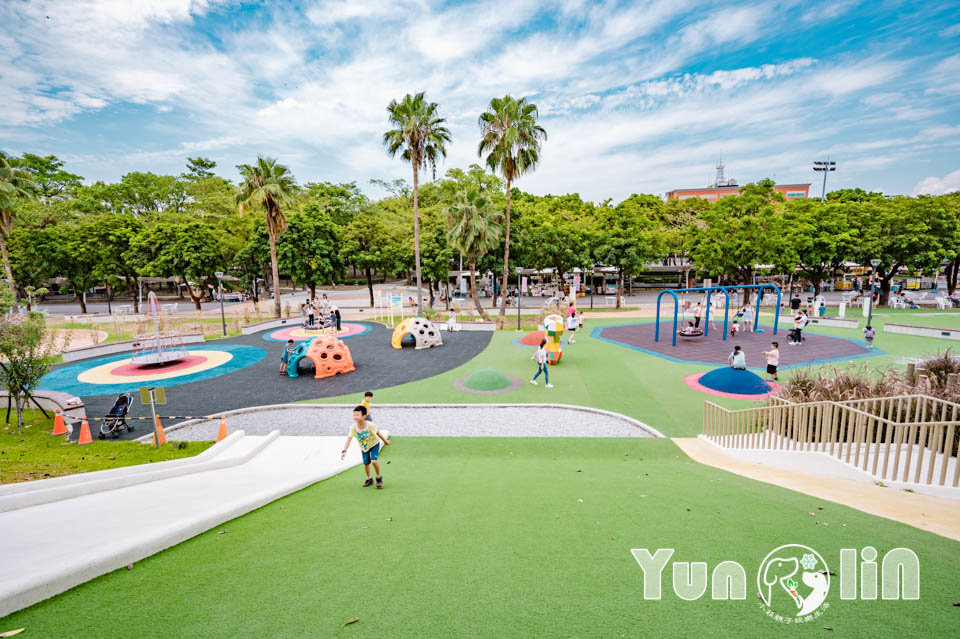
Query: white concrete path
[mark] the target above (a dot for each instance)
(48, 548)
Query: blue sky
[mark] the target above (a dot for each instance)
(635, 96)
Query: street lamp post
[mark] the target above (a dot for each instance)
(223, 318)
(874, 263)
(518, 297)
(826, 167)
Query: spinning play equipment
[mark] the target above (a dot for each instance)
(726, 310)
(553, 328)
(157, 347)
(329, 355)
(424, 332)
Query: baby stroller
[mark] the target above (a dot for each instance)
(116, 420)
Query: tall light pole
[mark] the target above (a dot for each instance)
(826, 167)
(223, 318)
(874, 263)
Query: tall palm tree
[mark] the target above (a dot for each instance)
(419, 136)
(270, 186)
(14, 183)
(474, 228)
(511, 138)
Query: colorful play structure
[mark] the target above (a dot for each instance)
(553, 330)
(158, 347)
(709, 290)
(329, 355)
(425, 333)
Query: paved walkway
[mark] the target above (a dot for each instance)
(933, 514)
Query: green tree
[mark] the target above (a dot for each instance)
(628, 236)
(817, 239)
(180, 247)
(511, 140)
(199, 168)
(269, 186)
(368, 242)
(25, 349)
(15, 184)
(34, 257)
(904, 232)
(553, 232)
(475, 228)
(309, 250)
(740, 233)
(952, 202)
(52, 181)
(341, 202)
(79, 258)
(113, 237)
(420, 138)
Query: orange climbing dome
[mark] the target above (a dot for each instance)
(330, 356)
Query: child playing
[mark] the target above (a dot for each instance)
(572, 323)
(540, 357)
(367, 435)
(735, 328)
(285, 358)
(773, 360)
(737, 359)
(868, 334)
(367, 399)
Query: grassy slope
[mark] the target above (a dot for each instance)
(603, 375)
(37, 455)
(488, 539)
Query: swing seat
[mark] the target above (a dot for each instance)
(695, 333)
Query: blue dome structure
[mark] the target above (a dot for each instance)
(736, 382)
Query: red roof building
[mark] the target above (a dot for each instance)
(729, 188)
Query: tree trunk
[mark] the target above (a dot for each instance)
(83, 302)
(884, 290)
(430, 288)
(313, 290)
(953, 270)
(275, 270)
(6, 256)
(473, 285)
(370, 285)
(134, 289)
(501, 318)
(193, 298)
(416, 232)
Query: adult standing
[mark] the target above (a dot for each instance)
(336, 314)
(697, 313)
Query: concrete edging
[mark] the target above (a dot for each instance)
(271, 407)
(275, 323)
(922, 331)
(142, 474)
(835, 322)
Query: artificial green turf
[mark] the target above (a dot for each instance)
(487, 379)
(488, 537)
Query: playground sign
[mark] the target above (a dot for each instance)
(159, 395)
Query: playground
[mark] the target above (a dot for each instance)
(532, 513)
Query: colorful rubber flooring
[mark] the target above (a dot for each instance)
(239, 372)
(300, 334)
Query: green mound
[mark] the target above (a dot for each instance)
(487, 379)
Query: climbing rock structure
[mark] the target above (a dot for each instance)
(329, 355)
(424, 332)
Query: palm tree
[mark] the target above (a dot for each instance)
(511, 139)
(474, 228)
(14, 183)
(421, 136)
(271, 186)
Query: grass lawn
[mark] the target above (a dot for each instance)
(36, 455)
(500, 537)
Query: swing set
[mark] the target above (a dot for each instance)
(709, 290)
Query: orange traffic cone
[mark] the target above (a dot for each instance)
(222, 434)
(159, 434)
(59, 427)
(84, 437)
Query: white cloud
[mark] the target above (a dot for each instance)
(949, 183)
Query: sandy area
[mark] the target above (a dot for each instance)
(73, 338)
(940, 516)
